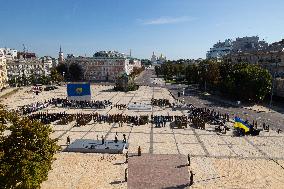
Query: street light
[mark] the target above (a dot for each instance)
(273, 82)
(205, 79)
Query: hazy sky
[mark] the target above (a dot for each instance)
(176, 28)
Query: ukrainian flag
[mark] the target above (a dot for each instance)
(78, 89)
(239, 123)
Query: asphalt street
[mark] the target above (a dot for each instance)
(193, 96)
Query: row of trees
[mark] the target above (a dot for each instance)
(26, 151)
(171, 71)
(241, 81)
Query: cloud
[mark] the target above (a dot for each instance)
(167, 20)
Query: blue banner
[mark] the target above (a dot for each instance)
(78, 89)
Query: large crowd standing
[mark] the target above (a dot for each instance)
(94, 104)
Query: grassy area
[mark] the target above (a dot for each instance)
(10, 93)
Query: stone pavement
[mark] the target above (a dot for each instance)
(218, 160)
(157, 171)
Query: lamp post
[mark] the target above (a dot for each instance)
(63, 73)
(273, 83)
(205, 79)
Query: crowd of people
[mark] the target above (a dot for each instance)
(65, 103)
(30, 108)
(94, 104)
(83, 119)
(176, 121)
(48, 118)
(161, 102)
(200, 116)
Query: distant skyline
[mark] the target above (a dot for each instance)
(177, 29)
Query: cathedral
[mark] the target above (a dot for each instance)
(158, 60)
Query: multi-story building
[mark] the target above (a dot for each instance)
(26, 55)
(54, 62)
(104, 65)
(47, 64)
(279, 87)
(23, 67)
(3, 70)
(220, 49)
(277, 46)
(9, 53)
(271, 57)
(249, 44)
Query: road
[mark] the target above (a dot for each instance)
(194, 96)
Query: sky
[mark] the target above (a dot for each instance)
(174, 28)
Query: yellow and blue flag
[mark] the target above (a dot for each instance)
(239, 123)
(78, 89)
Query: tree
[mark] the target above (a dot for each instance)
(136, 71)
(26, 154)
(75, 72)
(252, 82)
(55, 76)
(62, 69)
(192, 74)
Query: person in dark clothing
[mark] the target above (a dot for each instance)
(191, 178)
(68, 140)
(139, 151)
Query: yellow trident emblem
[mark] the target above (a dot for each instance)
(79, 90)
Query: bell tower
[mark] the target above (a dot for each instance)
(60, 56)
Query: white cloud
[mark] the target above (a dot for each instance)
(167, 20)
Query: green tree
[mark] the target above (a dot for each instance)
(26, 154)
(191, 74)
(62, 69)
(55, 76)
(252, 82)
(75, 72)
(32, 79)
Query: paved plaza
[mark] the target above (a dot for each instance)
(217, 160)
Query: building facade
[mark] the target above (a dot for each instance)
(3, 71)
(47, 64)
(279, 87)
(22, 67)
(271, 60)
(220, 49)
(9, 53)
(104, 65)
(249, 44)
